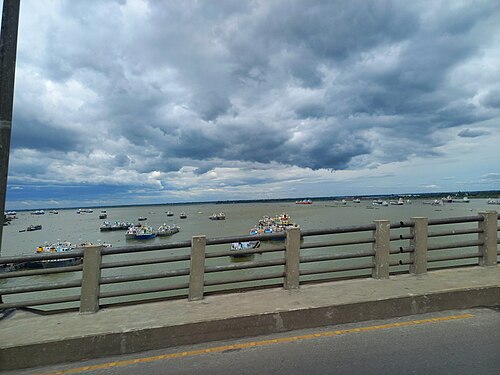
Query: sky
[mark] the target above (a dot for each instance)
(141, 102)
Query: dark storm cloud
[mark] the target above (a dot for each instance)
(316, 84)
(492, 99)
(33, 134)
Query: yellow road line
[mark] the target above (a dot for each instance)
(254, 344)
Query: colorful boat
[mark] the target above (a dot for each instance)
(145, 233)
(305, 201)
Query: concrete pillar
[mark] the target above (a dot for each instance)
(381, 247)
(418, 256)
(197, 270)
(488, 236)
(91, 275)
(292, 258)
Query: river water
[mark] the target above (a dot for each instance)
(240, 217)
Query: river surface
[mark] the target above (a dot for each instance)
(240, 217)
(68, 225)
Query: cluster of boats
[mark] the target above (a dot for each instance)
(275, 224)
(59, 247)
(145, 232)
(267, 224)
(107, 226)
(493, 201)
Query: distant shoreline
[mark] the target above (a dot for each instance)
(438, 195)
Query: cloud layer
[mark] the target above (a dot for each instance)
(200, 100)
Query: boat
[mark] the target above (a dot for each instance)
(142, 218)
(304, 201)
(170, 213)
(219, 216)
(120, 225)
(54, 212)
(493, 201)
(103, 216)
(167, 230)
(399, 202)
(105, 226)
(356, 200)
(276, 224)
(34, 227)
(38, 212)
(57, 247)
(448, 199)
(144, 233)
(240, 247)
(84, 211)
(183, 215)
(379, 202)
(131, 233)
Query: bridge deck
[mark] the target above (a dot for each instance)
(29, 340)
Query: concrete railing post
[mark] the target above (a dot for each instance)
(292, 258)
(381, 247)
(488, 236)
(91, 275)
(418, 256)
(197, 268)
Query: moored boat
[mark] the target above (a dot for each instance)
(131, 233)
(57, 247)
(183, 215)
(304, 201)
(167, 230)
(239, 248)
(34, 227)
(170, 213)
(218, 216)
(145, 233)
(105, 226)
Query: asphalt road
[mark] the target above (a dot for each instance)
(453, 342)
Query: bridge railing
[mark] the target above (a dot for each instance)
(195, 268)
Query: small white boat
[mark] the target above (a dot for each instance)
(183, 215)
(240, 247)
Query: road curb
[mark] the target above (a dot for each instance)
(115, 343)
